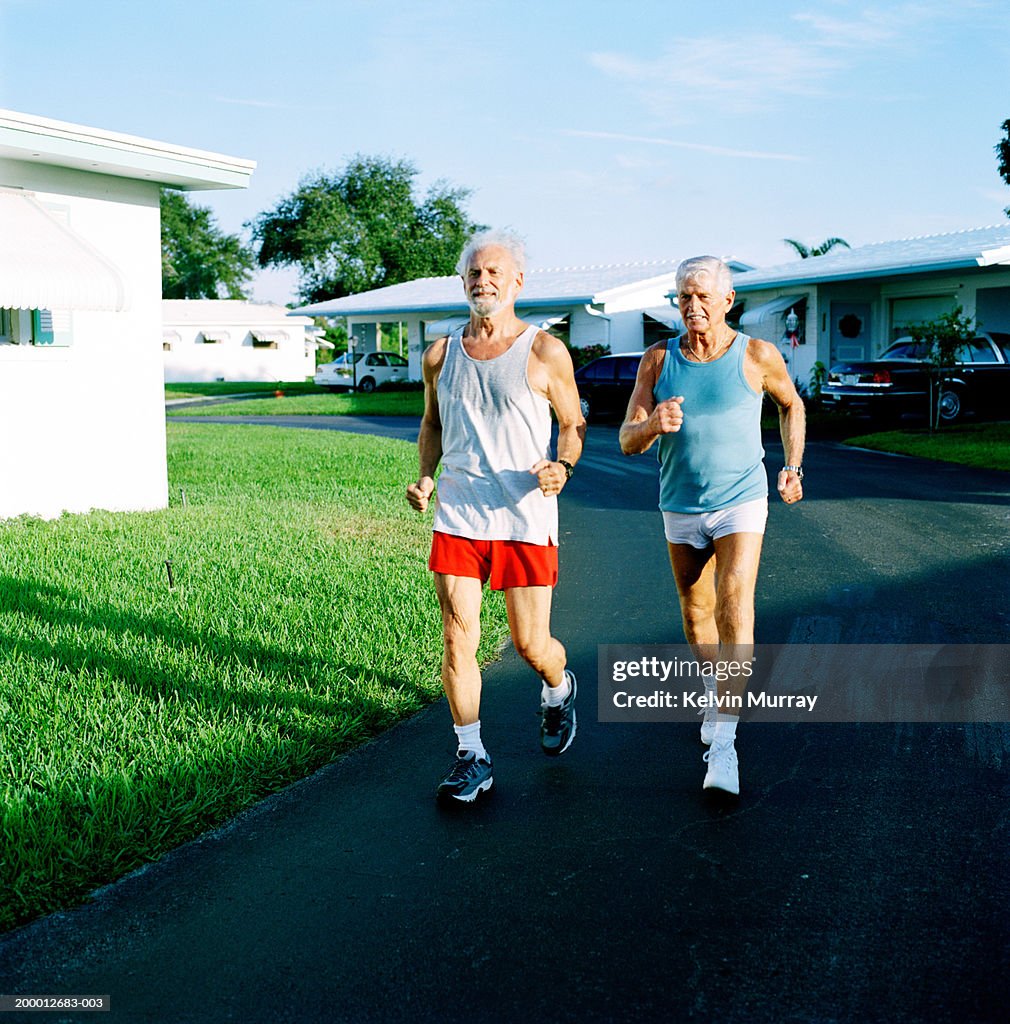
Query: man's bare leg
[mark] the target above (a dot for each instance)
(459, 597)
(717, 605)
(529, 612)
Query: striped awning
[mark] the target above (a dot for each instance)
(44, 264)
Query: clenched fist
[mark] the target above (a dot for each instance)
(667, 417)
(419, 494)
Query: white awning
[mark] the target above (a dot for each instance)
(269, 335)
(46, 265)
(215, 336)
(768, 310)
(666, 315)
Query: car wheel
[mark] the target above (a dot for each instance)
(585, 407)
(366, 386)
(952, 405)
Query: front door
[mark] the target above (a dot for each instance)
(850, 331)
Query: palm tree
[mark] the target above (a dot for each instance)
(825, 247)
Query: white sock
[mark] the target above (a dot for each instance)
(725, 729)
(709, 682)
(468, 737)
(554, 696)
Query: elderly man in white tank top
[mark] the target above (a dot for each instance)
(488, 392)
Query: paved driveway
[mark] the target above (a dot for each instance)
(862, 877)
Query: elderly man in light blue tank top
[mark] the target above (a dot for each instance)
(488, 393)
(699, 396)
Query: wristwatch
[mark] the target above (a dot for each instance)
(798, 470)
(569, 468)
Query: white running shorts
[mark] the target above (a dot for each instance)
(699, 529)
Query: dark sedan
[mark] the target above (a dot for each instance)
(605, 385)
(898, 382)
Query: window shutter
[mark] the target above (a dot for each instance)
(42, 327)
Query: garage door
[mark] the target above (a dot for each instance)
(905, 312)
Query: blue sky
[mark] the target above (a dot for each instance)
(602, 132)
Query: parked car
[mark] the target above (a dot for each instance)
(605, 384)
(898, 382)
(365, 370)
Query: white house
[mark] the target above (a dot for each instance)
(228, 339)
(81, 374)
(622, 305)
(852, 303)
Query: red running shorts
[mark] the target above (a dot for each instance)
(505, 563)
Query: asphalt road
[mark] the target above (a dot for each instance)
(862, 876)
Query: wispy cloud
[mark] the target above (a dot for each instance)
(750, 71)
(699, 147)
(264, 104)
(737, 74)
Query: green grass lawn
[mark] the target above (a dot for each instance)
(985, 445)
(214, 389)
(135, 716)
(318, 403)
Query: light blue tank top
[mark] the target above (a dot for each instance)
(714, 460)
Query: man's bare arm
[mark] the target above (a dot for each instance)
(429, 437)
(792, 416)
(555, 376)
(645, 420)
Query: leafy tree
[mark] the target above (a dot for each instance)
(804, 251)
(943, 338)
(363, 228)
(198, 260)
(1003, 153)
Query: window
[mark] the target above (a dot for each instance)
(627, 369)
(1003, 340)
(395, 360)
(41, 327)
(977, 351)
(601, 370)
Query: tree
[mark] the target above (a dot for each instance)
(198, 260)
(943, 338)
(804, 252)
(1003, 153)
(362, 228)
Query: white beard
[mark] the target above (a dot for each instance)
(485, 305)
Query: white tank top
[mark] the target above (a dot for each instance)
(494, 428)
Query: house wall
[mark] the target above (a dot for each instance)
(84, 425)
(801, 359)
(892, 302)
(237, 359)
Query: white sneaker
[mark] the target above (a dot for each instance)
(707, 725)
(723, 768)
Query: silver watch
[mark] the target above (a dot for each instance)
(798, 470)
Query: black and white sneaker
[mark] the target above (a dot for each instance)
(557, 725)
(467, 779)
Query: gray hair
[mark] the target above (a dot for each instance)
(696, 265)
(507, 240)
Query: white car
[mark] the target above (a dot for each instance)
(364, 371)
